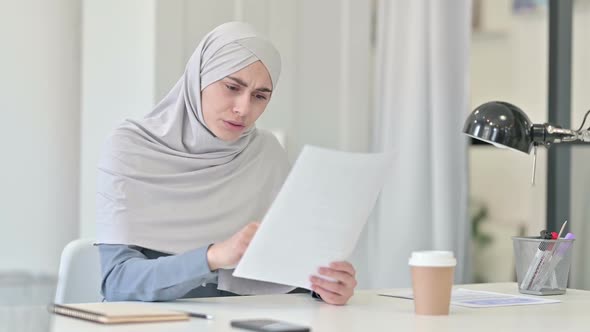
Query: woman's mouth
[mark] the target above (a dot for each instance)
(236, 126)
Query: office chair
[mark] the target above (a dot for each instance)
(79, 275)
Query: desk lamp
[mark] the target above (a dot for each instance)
(507, 126)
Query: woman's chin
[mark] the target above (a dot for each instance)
(229, 137)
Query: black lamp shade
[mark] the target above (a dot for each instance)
(501, 124)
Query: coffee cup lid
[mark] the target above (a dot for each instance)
(432, 258)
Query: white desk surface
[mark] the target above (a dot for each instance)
(366, 311)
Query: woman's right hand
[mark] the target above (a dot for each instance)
(227, 254)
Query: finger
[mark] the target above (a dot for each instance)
(334, 287)
(240, 248)
(343, 277)
(343, 266)
(249, 231)
(251, 227)
(243, 240)
(246, 240)
(329, 296)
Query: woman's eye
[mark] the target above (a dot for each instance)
(231, 87)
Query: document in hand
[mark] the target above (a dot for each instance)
(317, 216)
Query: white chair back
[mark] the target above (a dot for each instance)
(79, 275)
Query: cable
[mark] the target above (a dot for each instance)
(584, 121)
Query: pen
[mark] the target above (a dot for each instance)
(542, 268)
(198, 315)
(549, 269)
(527, 281)
(562, 228)
(540, 263)
(547, 235)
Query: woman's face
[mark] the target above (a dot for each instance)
(233, 104)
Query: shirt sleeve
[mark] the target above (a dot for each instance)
(128, 275)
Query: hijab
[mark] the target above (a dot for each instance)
(167, 183)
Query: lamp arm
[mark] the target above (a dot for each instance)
(555, 134)
(547, 134)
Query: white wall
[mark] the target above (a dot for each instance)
(580, 207)
(509, 60)
(39, 101)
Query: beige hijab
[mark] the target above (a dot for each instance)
(166, 183)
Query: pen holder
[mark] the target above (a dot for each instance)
(542, 266)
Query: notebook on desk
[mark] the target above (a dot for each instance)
(118, 312)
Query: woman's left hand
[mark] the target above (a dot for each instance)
(338, 291)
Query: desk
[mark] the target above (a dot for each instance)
(366, 311)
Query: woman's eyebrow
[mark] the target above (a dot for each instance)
(242, 83)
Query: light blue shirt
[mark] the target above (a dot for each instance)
(133, 273)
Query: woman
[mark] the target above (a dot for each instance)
(178, 190)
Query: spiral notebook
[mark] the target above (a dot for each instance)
(118, 312)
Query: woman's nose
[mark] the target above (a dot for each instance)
(242, 105)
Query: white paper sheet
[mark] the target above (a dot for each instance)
(317, 216)
(481, 299)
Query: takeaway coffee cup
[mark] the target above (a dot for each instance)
(432, 281)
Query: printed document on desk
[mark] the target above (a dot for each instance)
(480, 299)
(317, 216)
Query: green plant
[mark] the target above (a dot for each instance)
(478, 216)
